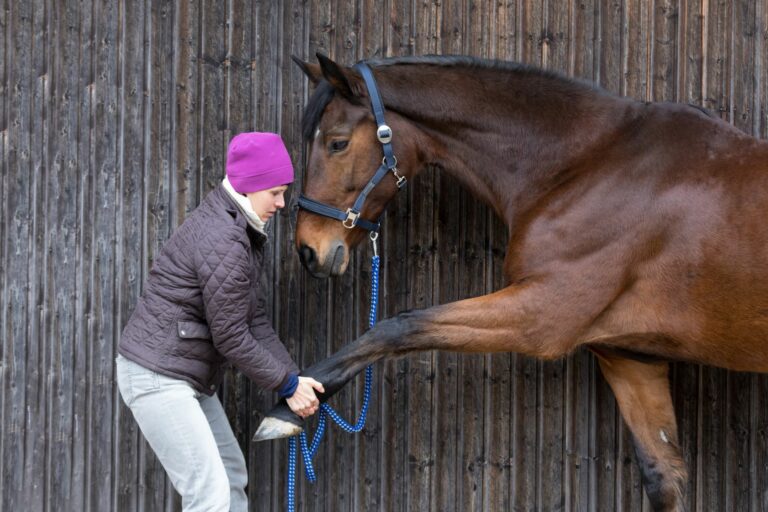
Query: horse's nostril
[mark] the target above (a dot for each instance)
(307, 255)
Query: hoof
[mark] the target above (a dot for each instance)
(281, 422)
(273, 428)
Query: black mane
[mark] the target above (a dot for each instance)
(324, 92)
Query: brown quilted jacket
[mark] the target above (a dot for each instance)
(203, 304)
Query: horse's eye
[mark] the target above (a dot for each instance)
(338, 145)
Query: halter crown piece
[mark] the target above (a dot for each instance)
(351, 217)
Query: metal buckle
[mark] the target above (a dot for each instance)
(384, 134)
(351, 218)
(401, 181)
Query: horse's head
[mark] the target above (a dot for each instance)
(344, 154)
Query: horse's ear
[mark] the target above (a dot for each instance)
(344, 81)
(311, 70)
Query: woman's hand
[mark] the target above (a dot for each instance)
(303, 401)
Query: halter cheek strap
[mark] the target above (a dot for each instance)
(351, 217)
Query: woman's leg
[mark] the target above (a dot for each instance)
(170, 417)
(229, 449)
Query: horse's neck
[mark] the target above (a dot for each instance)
(507, 138)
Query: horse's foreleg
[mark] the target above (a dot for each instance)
(642, 392)
(523, 319)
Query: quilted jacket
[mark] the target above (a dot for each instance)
(203, 304)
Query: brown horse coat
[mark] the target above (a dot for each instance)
(636, 229)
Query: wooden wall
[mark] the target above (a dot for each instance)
(114, 120)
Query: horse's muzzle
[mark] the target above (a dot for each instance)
(333, 263)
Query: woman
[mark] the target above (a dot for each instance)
(202, 306)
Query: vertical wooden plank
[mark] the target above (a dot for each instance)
(54, 231)
(584, 62)
(761, 61)
(744, 33)
(524, 435)
(611, 49)
(685, 388)
(212, 122)
(186, 65)
(636, 32)
(578, 448)
(18, 212)
(63, 21)
(37, 346)
(691, 66)
(606, 424)
(83, 295)
(711, 485)
(716, 82)
(506, 30)
(131, 202)
(737, 454)
(102, 344)
(665, 50)
(5, 230)
(532, 23)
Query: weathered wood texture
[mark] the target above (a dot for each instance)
(114, 120)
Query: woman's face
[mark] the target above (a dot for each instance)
(266, 202)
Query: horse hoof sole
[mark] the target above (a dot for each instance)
(273, 428)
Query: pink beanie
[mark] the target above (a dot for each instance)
(258, 161)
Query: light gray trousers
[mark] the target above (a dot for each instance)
(190, 435)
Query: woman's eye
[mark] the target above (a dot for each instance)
(338, 145)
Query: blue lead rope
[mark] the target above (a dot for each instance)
(308, 452)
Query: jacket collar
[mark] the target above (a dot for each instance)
(220, 198)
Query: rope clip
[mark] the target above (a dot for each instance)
(374, 237)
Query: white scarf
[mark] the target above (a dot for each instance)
(245, 206)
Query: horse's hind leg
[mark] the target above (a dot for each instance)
(642, 392)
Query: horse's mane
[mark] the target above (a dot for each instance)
(324, 91)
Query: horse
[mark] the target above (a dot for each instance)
(635, 228)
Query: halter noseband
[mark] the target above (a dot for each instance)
(351, 217)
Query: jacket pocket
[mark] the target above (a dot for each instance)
(193, 331)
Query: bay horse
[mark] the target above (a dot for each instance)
(636, 229)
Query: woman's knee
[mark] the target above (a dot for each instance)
(211, 494)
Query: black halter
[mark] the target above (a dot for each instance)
(351, 217)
